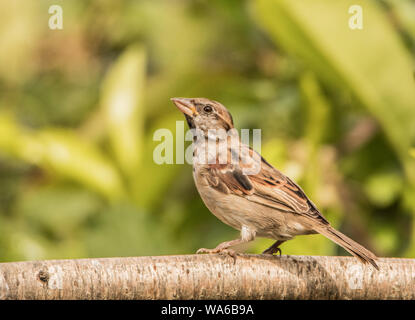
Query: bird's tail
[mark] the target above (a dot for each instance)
(348, 244)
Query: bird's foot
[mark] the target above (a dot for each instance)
(272, 251)
(274, 248)
(229, 252)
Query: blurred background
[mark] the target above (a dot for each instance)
(79, 107)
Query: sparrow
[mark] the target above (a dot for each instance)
(246, 192)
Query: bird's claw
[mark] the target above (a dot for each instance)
(229, 252)
(204, 250)
(272, 251)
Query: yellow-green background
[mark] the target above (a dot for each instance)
(79, 107)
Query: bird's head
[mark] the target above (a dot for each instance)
(204, 114)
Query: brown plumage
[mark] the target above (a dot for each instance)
(249, 194)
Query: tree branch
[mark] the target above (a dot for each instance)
(208, 277)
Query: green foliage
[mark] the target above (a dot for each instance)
(123, 107)
(361, 62)
(79, 108)
(383, 189)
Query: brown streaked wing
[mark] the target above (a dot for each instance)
(284, 191)
(269, 187)
(228, 179)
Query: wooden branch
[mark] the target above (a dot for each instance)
(208, 277)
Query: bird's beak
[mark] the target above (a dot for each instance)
(185, 106)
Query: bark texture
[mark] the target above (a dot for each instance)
(208, 277)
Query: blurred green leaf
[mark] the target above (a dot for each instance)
(9, 133)
(19, 33)
(63, 152)
(384, 188)
(275, 151)
(405, 12)
(43, 209)
(122, 101)
(386, 238)
(317, 109)
(69, 156)
(155, 179)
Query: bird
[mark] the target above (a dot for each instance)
(246, 192)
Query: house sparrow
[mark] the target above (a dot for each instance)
(260, 203)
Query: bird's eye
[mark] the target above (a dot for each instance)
(207, 109)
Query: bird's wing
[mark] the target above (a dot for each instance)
(268, 187)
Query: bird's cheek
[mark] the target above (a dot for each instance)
(200, 124)
(190, 122)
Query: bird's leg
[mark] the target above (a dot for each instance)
(274, 248)
(246, 236)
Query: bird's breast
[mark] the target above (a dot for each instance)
(222, 205)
